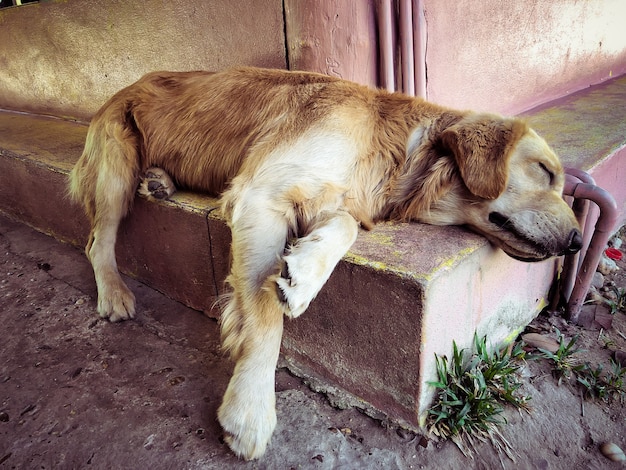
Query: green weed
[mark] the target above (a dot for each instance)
(596, 382)
(619, 304)
(564, 362)
(472, 392)
(609, 385)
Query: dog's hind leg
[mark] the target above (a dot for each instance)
(311, 259)
(104, 180)
(115, 300)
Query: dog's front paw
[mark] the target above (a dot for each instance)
(298, 284)
(156, 184)
(248, 422)
(116, 303)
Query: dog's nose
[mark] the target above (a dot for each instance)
(575, 242)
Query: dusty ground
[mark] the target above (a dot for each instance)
(78, 392)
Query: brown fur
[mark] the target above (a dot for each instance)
(300, 161)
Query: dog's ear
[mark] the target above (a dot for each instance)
(482, 145)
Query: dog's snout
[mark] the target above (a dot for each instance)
(575, 242)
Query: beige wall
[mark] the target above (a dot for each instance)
(67, 57)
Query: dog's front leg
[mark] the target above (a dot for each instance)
(311, 259)
(252, 322)
(247, 413)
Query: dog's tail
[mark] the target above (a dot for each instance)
(108, 170)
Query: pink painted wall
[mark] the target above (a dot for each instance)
(610, 172)
(335, 37)
(484, 55)
(511, 56)
(66, 57)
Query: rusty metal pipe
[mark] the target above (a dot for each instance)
(603, 228)
(406, 47)
(385, 28)
(419, 48)
(591, 215)
(571, 263)
(581, 175)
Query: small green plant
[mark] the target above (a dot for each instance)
(609, 385)
(596, 382)
(619, 304)
(500, 369)
(564, 362)
(591, 380)
(616, 381)
(472, 392)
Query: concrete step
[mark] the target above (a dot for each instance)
(401, 295)
(588, 130)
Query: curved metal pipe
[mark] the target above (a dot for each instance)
(603, 229)
(571, 263)
(580, 174)
(588, 217)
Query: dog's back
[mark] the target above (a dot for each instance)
(191, 124)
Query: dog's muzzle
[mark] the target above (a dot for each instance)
(573, 244)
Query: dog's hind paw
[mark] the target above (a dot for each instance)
(156, 184)
(117, 303)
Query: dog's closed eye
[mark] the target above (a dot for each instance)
(548, 172)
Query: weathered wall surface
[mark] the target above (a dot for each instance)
(67, 57)
(510, 56)
(488, 55)
(335, 37)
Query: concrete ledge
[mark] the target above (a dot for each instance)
(588, 130)
(400, 296)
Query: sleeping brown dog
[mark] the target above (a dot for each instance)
(301, 160)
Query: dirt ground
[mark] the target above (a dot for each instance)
(79, 392)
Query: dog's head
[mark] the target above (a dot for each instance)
(511, 184)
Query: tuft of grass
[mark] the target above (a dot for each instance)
(471, 394)
(610, 385)
(615, 381)
(619, 304)
(595, 381)
(563, 358)
(592, 382)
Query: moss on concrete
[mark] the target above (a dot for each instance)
(585, 127)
